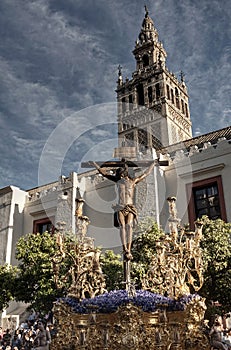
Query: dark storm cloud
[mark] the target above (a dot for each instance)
(57, 57)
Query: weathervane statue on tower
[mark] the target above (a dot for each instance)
(146, 9)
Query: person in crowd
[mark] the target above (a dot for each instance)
(28, 339)
(16, 341)
(216, 337)
(7, 337)
(227, 336)
(49, 317)
(3, 344)
(43, 338)
(1, 333)
(52, 330)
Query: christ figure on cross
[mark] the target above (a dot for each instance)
(126, 212)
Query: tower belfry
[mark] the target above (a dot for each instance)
(153, 108)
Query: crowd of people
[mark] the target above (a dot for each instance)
(34, 334)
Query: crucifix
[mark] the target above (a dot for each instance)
(125, 210)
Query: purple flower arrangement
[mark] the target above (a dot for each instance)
(110, 302)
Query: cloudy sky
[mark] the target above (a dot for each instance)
(58, 72)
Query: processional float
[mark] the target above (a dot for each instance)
(163, 315)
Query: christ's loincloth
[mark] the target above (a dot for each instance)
(125, 210)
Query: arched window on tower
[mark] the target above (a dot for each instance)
(140, 95)
(177, 98)
(168, 92)
(142, 139)
(145, 60)
(129, 139)
(186, 110)
(130, 102)
(150, 94)
(182, 106)
(172, 96)
(123, 105)
(157, 91)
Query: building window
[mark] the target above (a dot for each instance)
(123, 105)
(186, 110)
(130, 102)
(142, 138)
(177, 98)
(172, 96)
(140, 94)
(43, 225)
(168, 93)
(145, 59)
(207, 201)
(129, 139)
(125, 126)
(157, 86)
(182, 105)
(206, 198)
(150, 94)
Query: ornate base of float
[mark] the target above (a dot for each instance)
(131, 328)
(138, 320)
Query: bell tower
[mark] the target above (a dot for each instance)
(153, 108)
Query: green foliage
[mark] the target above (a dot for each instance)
(216, 250)
(143, 248)
(112, 269)
(138, 270)
(8, 275)
(35, 282)
(144, 242)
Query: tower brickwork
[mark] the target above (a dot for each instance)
(153, 109)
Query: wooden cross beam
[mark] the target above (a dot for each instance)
(121, 163)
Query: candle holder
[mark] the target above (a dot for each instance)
(178, 263)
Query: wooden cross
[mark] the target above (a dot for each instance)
(122, 164)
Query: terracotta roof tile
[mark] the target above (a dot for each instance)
(199, 141)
